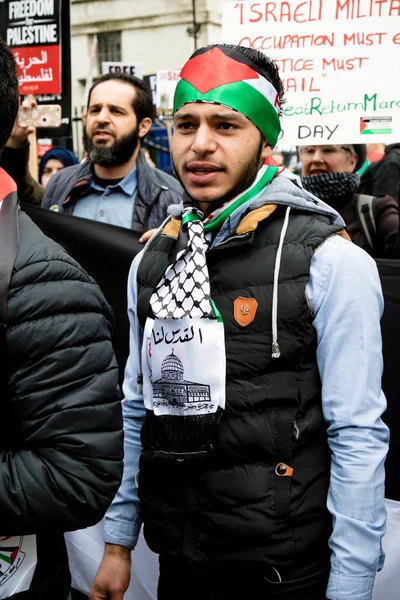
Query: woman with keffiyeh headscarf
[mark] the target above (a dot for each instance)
(330, 173)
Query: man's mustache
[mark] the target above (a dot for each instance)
(103, 129)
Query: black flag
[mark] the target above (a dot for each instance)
(105, 252)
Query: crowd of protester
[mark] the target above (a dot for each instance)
(330, 172)
(62, 380)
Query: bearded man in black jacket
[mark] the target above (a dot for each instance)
(61, 438)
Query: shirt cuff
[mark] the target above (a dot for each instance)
(343, 587)
(121, 533)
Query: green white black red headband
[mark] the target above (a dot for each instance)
(224, 76)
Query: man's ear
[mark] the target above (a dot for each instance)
(144, 127)
(266, 150)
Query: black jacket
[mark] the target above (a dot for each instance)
(61, 427)
(386, 214)
(155, 192)
(382, 178)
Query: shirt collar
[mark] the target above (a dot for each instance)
(231, 223)
(127, 185)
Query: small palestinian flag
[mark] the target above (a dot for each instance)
(224, 76)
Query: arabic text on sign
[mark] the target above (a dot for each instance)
(33, 60)
(44, 75)
(177, 336)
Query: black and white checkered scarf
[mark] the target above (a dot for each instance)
(331, 186)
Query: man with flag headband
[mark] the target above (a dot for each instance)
(259, 465)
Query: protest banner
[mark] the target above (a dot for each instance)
(29, 23)
(339, 61)
(165, 89)
(32, 29)
(122, 67)
(151, 81)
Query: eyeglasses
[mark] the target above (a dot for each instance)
(332, 150)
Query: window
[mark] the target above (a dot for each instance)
(109, 47)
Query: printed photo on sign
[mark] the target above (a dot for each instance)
(376, 125)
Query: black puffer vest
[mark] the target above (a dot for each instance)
(260, 494)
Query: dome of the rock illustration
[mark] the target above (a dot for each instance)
(172, 367)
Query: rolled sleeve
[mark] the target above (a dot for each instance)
(343, 587)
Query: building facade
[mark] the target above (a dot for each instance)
(156, 33)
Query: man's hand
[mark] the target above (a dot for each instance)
(113, 576)
(146, 236)
(19, 135)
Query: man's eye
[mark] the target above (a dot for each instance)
(184, 126)
(226, 126)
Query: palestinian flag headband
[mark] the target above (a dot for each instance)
(224, 76)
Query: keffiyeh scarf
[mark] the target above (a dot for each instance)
(331, 186)
(183, 354)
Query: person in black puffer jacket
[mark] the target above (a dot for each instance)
(61, 427)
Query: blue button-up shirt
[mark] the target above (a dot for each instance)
(345, 298)
(113, 205)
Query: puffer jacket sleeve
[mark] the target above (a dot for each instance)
(63, 463)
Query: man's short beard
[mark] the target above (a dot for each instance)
(246, 178)
(116, 155)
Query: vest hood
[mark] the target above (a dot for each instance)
(286, 192)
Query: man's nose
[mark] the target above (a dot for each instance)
(204, 141)
(103, 116)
